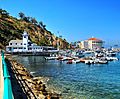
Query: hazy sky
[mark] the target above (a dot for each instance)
(74, 19)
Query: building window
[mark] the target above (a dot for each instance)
(29, 48)
(24, 36)
(16, 43)
(21, 43)
(15, 47)
(24, 43)
(10, 43)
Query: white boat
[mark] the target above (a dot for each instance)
(114, 58)
(111, 54)
(102, 62)
(111, 58)
(64, 58)
(88, 52)
(76, 61)
(51, 58)
(89, 61)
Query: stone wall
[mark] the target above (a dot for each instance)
(24, 85)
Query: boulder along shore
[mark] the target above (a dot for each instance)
(24, 85)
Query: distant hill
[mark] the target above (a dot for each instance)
(12, 28)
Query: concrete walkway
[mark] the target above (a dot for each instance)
(1, 79)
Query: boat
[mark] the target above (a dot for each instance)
(60, 58)
(50, 58)
(111, 58)
(88, 52)
(102, 62)
(69, 62)
(66, 58)
(111, 54)
(73, 61)
(82, 60)
(76, 61)
(89, 61)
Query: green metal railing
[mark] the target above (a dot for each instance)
(7, 93)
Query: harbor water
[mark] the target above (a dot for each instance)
(77, 81)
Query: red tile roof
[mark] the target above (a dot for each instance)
(94, 39)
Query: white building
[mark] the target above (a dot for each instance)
(94, 43)
(91, 43)
(25, 45)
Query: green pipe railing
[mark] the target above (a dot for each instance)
(7, 93)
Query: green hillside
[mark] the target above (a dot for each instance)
(12, 28)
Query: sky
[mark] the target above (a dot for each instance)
(75, 20)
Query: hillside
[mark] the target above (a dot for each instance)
(12, 28)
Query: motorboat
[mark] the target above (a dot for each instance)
(51, 58)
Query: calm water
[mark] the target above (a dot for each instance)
(77, 81)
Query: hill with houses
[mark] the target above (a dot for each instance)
(12, 28)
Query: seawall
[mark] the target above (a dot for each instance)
(24, 85)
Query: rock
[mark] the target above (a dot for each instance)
(23, 73)
(45, 93)
(31, 81)
(48, 97)
(26, 77)
(39, 82)
(34, 87)
(41, 96)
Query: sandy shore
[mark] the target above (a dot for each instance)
(25, 86)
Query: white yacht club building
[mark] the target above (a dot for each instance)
(26, 45)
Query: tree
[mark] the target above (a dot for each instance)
(26, 19)
(1, 11)
(44, 26)
(41, 23)
(21, 15)
(4, 12)
(33, 20)
(60, 36)
(64, 39)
